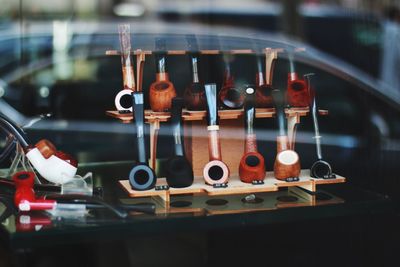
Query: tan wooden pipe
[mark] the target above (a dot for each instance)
(287, 162)
(128, 75)
(162, 91)
(215, 171)
(264, 87)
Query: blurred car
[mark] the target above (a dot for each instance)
(353, 36)
(77, 83)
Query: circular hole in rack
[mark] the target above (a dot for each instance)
(217, 202)
(287, 198)
(322, 196)
(181, 204)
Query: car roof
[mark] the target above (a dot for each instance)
(225, 38)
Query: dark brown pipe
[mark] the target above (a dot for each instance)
(252, 163)
(287, 162)
(215, 171)
(162, 90)
(264, 87)
(230, 96)
(194, 95)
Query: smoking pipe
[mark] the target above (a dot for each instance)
(287, 162)
(194, 95)
(141, 176)
(215, 171)
(230, 96)
(128, 76)
(162, 90)
(24, 197)
(252, 164)
(320, 168)
(179, 172)
(297, 89)
(264, 87)
(54, 166)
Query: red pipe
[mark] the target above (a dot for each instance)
(297, 91)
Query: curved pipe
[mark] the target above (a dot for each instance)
(252, 163)
(264, 88)
(287, 162)
(320, 168)
(215, 171)
(57, 167)
(179, 172)
(54, 169)
(141, 176)
(230, 96)
(162, 91)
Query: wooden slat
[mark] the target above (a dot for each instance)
(200, 115)
(184, 52)
(135, 52)
(235, 186)
(203, 51)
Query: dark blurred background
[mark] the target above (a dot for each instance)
(348, 29)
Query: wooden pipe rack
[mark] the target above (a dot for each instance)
(155, 118)
(184, 52)
(201, 52)
(234, 204)
(235, 186)
(228, 118)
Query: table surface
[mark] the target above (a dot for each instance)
(188, 212)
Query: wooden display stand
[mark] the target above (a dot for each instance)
(235, 186)
(200, 204)
(232, 145)
(195, 131)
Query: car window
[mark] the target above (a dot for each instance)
(84, 92)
